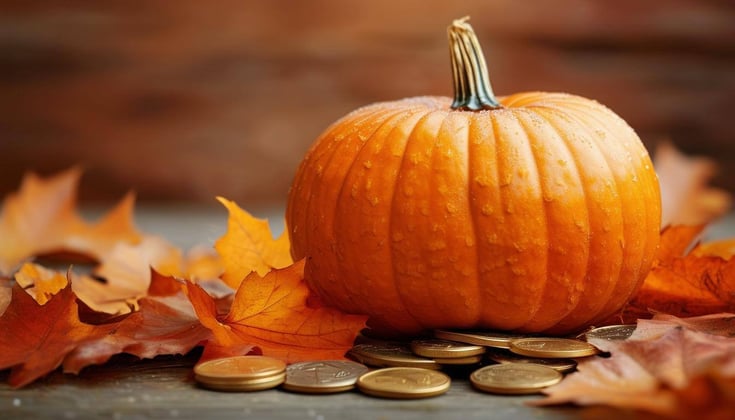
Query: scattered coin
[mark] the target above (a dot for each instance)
(404, 383)
(438, 348)
(323, 377)
(390, 355)
(611, 332)
(514, 378)
(241, 373)
(505, 356)
(552, 347)
(480, 338)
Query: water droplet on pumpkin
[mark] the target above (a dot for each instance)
(367, 164)
(469, 240)
(408, 191)
(451, 208)
(487, 210)
(374, 200)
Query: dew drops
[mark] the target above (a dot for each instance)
(367, 164)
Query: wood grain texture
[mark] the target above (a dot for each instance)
(188, 100)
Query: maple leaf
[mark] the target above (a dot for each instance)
(686, 197)
(40, 282)
(35, 338)
(683, 281)
(165, 324)
(668, 366)
(248, 246)
(124, 276)
(271, 312)
(42, 218)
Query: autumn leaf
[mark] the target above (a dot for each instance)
(36, 338)
(165, 324)
(42, 218)
(124, 276)
(686, 196)
(248, 246)
(271, 312)
(668, 367)
(684, 280)
(40, 282)
(6, 292)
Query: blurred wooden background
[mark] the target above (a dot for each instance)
(185, 100)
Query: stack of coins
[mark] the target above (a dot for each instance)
(241, 373)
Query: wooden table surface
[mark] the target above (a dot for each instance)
(126, 388)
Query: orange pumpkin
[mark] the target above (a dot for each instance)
(535, 212)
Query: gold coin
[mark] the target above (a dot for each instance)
(514, 378)
(480, 338)
(390, 355)
(249, 385)
(505, 356)
(469, 360)
(552, 347)
(611, 332)
(404, 383)
(437, 348)
(241, 373)
(323, 377)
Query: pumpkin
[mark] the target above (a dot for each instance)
(534, 212)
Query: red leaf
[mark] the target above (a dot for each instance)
(164, 324)
(35, 339)
(271, 313)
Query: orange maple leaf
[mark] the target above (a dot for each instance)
(271, 312)
(684, 280)
(42, 218)
(36, 338)
(249, 246)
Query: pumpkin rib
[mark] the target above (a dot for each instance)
(487, 212)
(615, 297)
(560, 295)
(472, 209)
(523, 256)
(394, 118)
(418, 322)
(304, 171)
(626, 225)
(452, 209)
(314, 208)
(403, 281)
(647, 249)
(572, 316)
(364, 285)
(542, 281)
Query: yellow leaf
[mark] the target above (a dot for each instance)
(249, 246)
(42, 218)
(40, 282)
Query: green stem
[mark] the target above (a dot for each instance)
(472, 90)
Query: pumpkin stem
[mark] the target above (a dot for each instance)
(472, 90)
